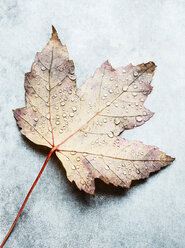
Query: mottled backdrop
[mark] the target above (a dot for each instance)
(152, 212)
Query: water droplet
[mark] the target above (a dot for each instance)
(64, 115)
(144, 113)
(108, 103)
(135, 86)
(49, 128)
(73, 153)
(58, 117)
(117, 121)
(139, 118)
(71, 114)
(43, 68)
(123, 71)
(72, 77)
(74, 109)
(57, 122)
(105, 120)
(62, 103)
(73, 167)
(47, 87)
(125, 87)
(110, 91)
(61, 131)
(36, 119)
(135, 73)
(111, 79)
(142, 100)
(47, 116)
(84, 154)
(78, 159)
(134, 94)
(124, 173)
(137, 171)
(34, 109)
(110, 135)
(106, 167)
(82, 182)
(56, 108)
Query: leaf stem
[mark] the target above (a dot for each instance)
(28, 195)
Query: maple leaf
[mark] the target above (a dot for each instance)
(83, 125)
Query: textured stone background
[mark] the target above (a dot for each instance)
(152, 212)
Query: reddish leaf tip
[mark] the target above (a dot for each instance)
(107, 65)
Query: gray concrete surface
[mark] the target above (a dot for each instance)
(151, 213)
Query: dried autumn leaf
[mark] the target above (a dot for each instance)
(83, 125)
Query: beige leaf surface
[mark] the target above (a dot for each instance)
(83, 124)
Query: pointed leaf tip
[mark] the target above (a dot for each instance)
(107, 65)
(54, 33)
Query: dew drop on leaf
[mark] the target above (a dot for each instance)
(117, 121)
(135, 73)
(74, 109)
(125, 87)
(139, 118)
(71, 76)
(110, 135)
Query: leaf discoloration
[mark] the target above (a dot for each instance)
(83, 124)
